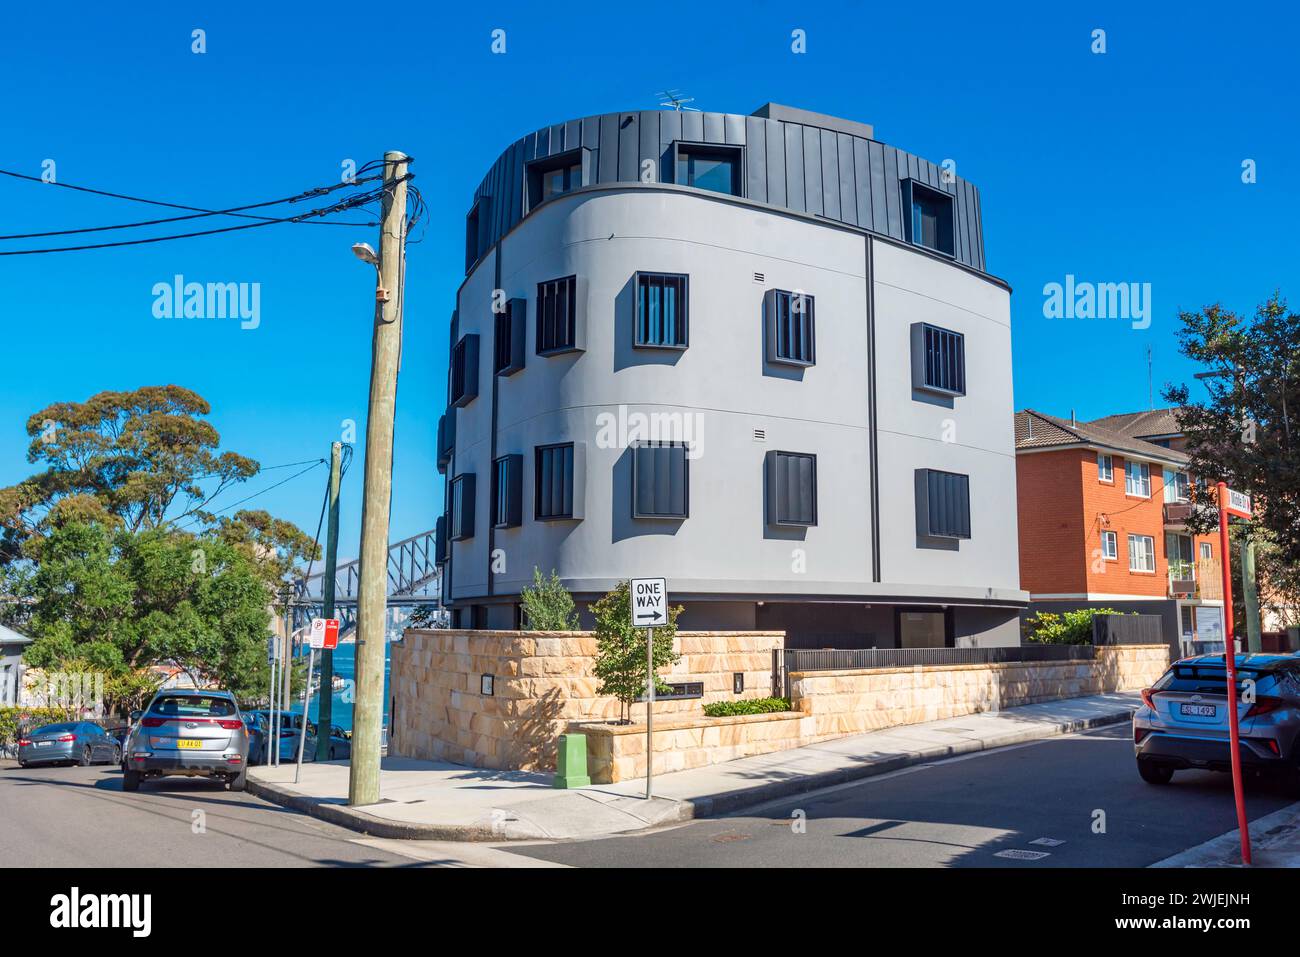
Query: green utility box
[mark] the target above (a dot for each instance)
(571, 762)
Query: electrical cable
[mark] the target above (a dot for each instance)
(325, 211)
(319, 191)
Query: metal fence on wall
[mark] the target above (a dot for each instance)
(787, 660)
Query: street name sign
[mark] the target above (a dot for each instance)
(649, 602)
(324, 633)
(1238, 504)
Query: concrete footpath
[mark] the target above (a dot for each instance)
(439, 801)
(1274, 842)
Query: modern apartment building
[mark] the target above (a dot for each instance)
(760, 356)
(1103, 523)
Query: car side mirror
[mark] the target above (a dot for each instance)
(135, 716)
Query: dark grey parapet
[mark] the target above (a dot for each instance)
(823, 170)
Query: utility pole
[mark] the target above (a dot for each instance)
(325, 713)
(368, 713)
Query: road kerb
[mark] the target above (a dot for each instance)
(700, 807)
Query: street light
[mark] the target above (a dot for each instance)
(365, 253)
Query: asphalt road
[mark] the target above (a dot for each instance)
(81, 817)
(1082, 790)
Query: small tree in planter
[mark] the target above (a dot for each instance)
(548, 606)
(620, 649)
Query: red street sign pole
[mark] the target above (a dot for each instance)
(1230, 660)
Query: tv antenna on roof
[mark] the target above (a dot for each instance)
(677, 99)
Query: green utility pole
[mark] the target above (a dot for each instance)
(1250, 595)
(325, 713)
(372, 590)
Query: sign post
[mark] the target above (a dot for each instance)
(1238, 504)
(649, 599)
(324, 634)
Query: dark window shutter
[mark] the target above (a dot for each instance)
(553, 482)
(462, 507)
(464, 371)
(791, 488)
(660, 487)
(943, 504)
(507, 491)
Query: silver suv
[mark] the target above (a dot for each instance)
(196, 733)
(1183, 721)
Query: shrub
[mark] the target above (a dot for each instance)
(548, 606)
(725, 709)
(1067, 628)
(621, 649)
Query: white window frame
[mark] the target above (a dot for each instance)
(1106, 474)
(1144, 479)
(1147, 551)
(1206, 552)
(1111, 554)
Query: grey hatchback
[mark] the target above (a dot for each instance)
(194, 733)
(1183, 721)
(71, 742)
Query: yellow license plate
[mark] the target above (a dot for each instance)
(188, 743)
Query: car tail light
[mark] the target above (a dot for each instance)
(24, 742)
(231, 725)
(1272, 746)
(1139, 734)
(286, 733)
(234, 759)
(66, 737)
(153, 722)
(1264, 705)
(1147, 698)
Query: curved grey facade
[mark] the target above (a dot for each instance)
(791, 399)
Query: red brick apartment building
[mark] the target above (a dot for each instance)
(1102, 507)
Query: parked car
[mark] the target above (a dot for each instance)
(1183, 721)
(69, 742)
(258, 732)
(289, 726)
(340, 745)
(188, 732)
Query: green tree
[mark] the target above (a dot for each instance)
(1243, 433)
(132, 459)
(121, 600)
(548, 606)
(621, 649)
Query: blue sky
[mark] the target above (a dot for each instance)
(1120, 167)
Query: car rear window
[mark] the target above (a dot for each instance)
(56, 727)
(201, 706)
(1212, 679)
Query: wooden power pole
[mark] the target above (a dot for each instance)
(325, 713)
(372, 602)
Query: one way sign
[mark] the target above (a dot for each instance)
(649, 602)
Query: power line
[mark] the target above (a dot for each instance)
(157, 202)
(318, 191)
(324, 211)
(249, 498)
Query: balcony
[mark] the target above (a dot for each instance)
(1201, 579)
(1182, 579)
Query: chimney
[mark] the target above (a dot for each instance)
(1029, 423)
(1073, 423)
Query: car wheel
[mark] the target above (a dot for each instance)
(1153, 773)
(86, 757)
(22, 764)
(117, 755)
(130, 780)
(238, 782)
(333, 756)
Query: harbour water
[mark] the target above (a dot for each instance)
(345, 666)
